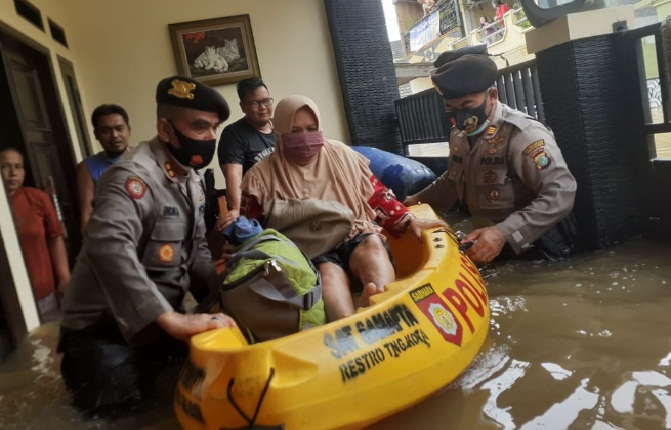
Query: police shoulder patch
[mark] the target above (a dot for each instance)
(542, 160)
(135, 187)
(531, 149)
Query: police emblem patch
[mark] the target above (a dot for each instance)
(490, 177)
(166, 253)
(542, 161)
(135, 187)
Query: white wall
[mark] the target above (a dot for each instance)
(122, 49)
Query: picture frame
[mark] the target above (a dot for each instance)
(217, 51)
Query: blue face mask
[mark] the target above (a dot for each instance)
(473, 121)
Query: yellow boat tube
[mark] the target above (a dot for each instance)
(414, 339)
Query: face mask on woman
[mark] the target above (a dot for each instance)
(301, 147)
(473, 121)
(192, 152)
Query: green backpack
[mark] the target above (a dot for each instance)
(271, 289)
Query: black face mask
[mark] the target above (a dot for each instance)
(473, 121)
(191, 152)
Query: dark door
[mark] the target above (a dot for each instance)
(646, 86)
(68, 73)
(27, 74)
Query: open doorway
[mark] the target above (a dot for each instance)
(31, 121)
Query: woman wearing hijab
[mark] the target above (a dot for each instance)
(322, 195)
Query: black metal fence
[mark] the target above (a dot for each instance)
(421, 117)
(519, 88)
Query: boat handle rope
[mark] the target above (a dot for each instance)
(229, 395)
(449, 233)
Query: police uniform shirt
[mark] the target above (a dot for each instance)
(145, 244)
(514, 177)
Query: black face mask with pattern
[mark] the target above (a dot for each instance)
(192, 152)
(473, 121)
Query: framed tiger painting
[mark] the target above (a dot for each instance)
(216, 51)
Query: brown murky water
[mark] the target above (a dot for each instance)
(583, 344)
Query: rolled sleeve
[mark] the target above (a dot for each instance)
(554, 186)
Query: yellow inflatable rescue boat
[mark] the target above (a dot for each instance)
(414, 339)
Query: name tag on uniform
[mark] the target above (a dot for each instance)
(170, 211)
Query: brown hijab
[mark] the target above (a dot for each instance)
(336, 174)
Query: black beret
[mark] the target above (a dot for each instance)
(190, 93)
(453, 54)
(466, 74)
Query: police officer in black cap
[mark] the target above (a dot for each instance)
(145, 248)
(505, 165)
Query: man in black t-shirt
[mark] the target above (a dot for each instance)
(247, 140)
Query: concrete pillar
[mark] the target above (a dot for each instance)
(580, 72)
(366, 71)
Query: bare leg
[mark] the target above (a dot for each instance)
(335, 291)
(370, 263)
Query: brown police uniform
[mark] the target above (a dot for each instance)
(513, 177)
(144, 249)
(145, 245)
(511, 173)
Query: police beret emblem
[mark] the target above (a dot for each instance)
(135, 187)
(181, 89)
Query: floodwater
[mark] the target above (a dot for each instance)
(581, 344)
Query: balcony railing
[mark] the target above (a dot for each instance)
(444, 19)
(448, 21)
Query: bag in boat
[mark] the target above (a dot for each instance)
(270, 288)
(316, 226)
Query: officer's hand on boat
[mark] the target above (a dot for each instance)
(182, 327)
(418, 224)
(486, 244)
(411, 200)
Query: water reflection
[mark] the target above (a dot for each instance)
(583, 344)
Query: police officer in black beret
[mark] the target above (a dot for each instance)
(505, 165)
(122, 315)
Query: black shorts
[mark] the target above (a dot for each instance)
(108, 378)
(341, 255)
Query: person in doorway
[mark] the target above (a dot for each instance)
(310, 178)
(112, 129)
(506, 166)
(123, 315)
(246, 141)
(40, 235)
(501, 9)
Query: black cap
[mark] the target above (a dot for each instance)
(190, 93)
(460, 75)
